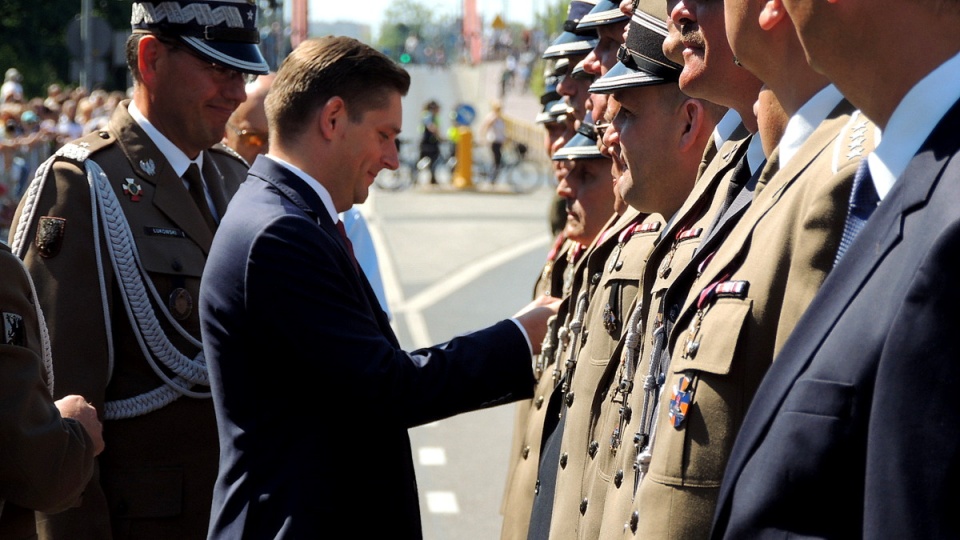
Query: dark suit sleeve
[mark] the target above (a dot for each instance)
(913, 439)
(47, 460)
(301, 284)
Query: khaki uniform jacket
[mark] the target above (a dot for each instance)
(47, 460)
(616, 270)
(611, 474)
(157, 472)
(550, 281)
(762, 278)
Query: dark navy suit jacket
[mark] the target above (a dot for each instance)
(855, 431)
(312, 392)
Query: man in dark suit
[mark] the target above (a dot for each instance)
(854, 431)
(285, 297)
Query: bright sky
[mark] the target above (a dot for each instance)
(371, 11)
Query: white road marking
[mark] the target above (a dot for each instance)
(442, 502)
(413, 309)
(432, 455)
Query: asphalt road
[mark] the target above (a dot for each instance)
(455, 261)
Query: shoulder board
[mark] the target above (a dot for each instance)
(221, 148)
(82, 148)
(856, 140)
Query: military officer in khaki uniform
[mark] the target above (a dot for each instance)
(730, 163)
(586, 208)
(48, 447)
(656, 183)
(115, 231)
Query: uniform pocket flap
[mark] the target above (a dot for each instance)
(711, 349)
(171, 254)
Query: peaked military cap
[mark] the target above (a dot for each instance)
(604, 13)
(221, 31)
(583, 145)
(641, 59)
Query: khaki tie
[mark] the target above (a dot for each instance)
(195, 181)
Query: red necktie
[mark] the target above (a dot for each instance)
(346, 239)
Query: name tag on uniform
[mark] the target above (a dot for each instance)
(164, 231)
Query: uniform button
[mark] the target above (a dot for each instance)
(618, 478)
(176, 265)
(583, 506)
(104, 135)
(674, 312)
(563, 461)
(526, 452)
(569, 399)
(592, 449)
(539, 401)
(634, 521)
(536, 488)
(595, 278)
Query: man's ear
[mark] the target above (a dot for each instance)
(693, 116)
(148, 57)
(333, 115)
(773, 12)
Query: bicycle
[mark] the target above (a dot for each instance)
(520, 173)
(413, 169)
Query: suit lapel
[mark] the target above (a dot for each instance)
(306, 199)
(170, 195)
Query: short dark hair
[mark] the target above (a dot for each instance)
(132, 53)
(319, 69)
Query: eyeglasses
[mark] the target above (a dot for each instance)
(250, 136)
(221, 74)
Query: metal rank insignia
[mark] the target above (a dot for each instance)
(132, 189)
(148, 167)
(690, 342)
(664, 269)
(614, 257)
(680, 397)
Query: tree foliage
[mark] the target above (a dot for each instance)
(34, 37)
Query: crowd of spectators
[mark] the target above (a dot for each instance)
(35, 127)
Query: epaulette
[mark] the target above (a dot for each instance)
(221, 148)
(856, 140)
(81, 149)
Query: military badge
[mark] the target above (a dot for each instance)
(132, 189)
(148, 167)
(50, 235)
(680, 397)
(181, 303)
(13, 332)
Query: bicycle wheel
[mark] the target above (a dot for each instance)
(523, 177)
(397, 180)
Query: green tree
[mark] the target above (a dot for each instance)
(34, 37)
(406, 18)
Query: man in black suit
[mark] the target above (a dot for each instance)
(286, 300)
(854, 432)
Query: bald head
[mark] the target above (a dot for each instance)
(246, 131)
